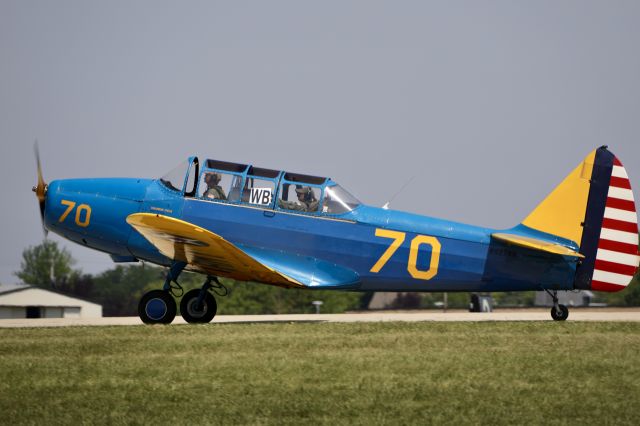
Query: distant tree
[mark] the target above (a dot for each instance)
(407, 300)
(46, 265)
(255, 298)
(515, 298)
(79, 285)
(119, 290)
(455, 300)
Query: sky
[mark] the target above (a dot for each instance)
(483, 106)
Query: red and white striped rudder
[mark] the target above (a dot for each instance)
(616, 260)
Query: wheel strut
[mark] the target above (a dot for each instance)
(558, 312)
(203, 291)
(171, 284)
(218, 286)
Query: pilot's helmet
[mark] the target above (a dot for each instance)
(306, 192)
(303, 190)
(212, 178)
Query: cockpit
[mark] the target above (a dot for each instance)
(226, 182)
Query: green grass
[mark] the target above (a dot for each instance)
(364, 373)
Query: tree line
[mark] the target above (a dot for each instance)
(120, 288)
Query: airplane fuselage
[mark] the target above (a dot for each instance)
(292, 230)
(387, 250)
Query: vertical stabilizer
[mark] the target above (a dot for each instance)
(594, 208)
(563, 211)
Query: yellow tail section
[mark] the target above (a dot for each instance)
(593, 207)
(563, 211)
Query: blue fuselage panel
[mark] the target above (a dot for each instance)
(468, 260)
(91, 212)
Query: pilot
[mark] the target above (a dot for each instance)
(214, 191)
(307, 201)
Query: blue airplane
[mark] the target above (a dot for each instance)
(292, 230)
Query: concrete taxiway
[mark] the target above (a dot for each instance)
(412, 316)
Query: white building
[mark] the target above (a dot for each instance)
(567, 298)
(23, 301)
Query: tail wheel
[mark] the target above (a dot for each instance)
(193, 313)
(157, 307)
(560, 314)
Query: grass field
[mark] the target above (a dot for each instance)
(361, 373)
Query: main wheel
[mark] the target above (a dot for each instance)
(193, 313)
(560, 316)
(157, 307)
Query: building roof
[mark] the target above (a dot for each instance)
(25, 295)
(10, 288)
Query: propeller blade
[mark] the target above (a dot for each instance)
(41, 188)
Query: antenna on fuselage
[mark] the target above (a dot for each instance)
(386, 205)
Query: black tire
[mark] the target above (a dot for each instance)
(191, 314)
(560, 316)
(157, 307)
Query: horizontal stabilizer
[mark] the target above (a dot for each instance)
(536, 244)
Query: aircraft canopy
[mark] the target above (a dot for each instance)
(223, 181)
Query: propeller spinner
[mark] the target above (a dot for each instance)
(41, 188)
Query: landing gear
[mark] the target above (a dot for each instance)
(199, 306)
(157, 307)
(558, 312)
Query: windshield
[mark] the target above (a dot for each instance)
(337, 200)
(175, 178)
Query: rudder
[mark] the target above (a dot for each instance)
(610, 238)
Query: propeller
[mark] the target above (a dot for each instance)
(41, 188)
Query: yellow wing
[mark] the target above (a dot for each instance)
(204, 251)
(537, 244)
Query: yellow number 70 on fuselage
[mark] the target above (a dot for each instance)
(398, 238)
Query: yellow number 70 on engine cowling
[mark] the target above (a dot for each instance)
(82, 208)
(398, 238)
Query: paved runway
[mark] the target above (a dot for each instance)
(631, 314)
